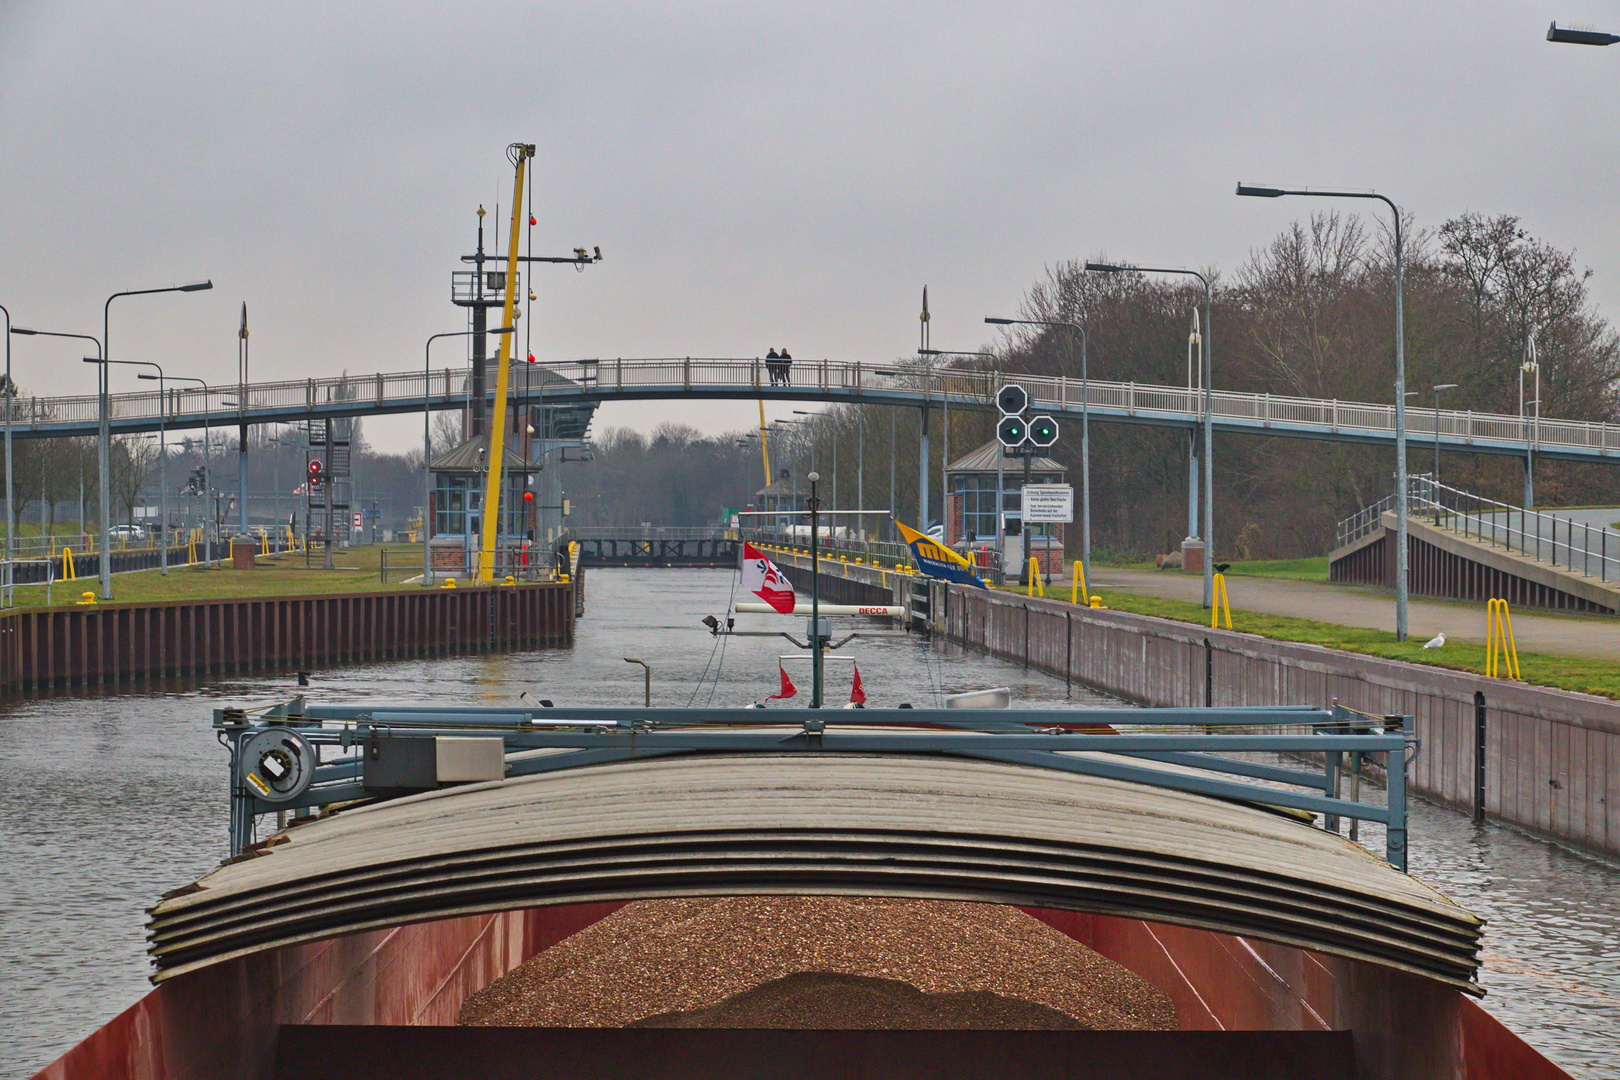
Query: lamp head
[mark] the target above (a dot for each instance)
(201, 286)
(999, 322)
(1105, 268)
(1259, 192)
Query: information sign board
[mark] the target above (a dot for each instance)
(1047, 502)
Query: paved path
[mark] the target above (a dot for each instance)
(1597, 637)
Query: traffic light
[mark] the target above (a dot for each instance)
(1012, 399)
(1043, 431)
(1012, 431)
(316, 473)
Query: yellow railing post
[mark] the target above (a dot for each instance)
(69, 571)
(1218, 603)
(1080, 589)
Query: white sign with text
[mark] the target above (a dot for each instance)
(1047, 502)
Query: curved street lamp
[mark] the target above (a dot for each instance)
(1209, 413)
(1401, 509)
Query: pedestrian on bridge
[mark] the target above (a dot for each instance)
(787, 366)
(773, 365)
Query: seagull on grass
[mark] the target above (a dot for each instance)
(1435, 642)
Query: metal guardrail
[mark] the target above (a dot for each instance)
(1564, 543)
(714, 532)
(827, 379)
(312, 752)
(1576, 546)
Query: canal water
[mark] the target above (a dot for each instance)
(107, 802)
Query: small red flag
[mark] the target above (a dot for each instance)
(788, 689)
(857, 693)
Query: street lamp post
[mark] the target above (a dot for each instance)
(1437, 389)
(106, 529)
(815, 597)
(1532, 435)
(163, 460)
(1209, 413)
(1401, 509)
(427, 442)
(11, 520)
(105, 433)
(1085, 435)
(945, 428)
(208, 474)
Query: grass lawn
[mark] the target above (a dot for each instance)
(1313, 569)
(1563, 672)
(354, 570)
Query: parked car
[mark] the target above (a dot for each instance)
(128, 534)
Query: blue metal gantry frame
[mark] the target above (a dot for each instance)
(1191, 761)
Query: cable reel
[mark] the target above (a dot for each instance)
(276, 765)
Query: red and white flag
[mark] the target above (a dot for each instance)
(764, 579)
(788, 689)
(857, 693)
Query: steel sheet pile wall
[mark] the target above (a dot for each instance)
(104, 644)
(1551, 759)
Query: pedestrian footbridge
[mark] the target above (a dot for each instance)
(582, 384)
(968, 812)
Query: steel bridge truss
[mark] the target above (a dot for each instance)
(299, 756)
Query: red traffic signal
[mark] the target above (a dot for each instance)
(528, 496)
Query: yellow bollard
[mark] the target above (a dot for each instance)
(510, 580)
(1096, 602)
(1218, 602)
(449, 583)
(86, 598)
(1501, 650)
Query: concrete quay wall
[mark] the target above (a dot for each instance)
(1547, 760)
(111, 643)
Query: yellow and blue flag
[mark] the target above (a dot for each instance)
(937, 560)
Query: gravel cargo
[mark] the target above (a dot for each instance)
(1005, 968)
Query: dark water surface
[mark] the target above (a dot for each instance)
(107, 802)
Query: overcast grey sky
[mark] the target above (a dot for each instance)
(756, 175)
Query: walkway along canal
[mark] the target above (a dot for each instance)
(1544, 759)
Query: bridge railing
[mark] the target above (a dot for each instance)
(710, 532)
(964, 387)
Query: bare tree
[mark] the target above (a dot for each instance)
(131, 464)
